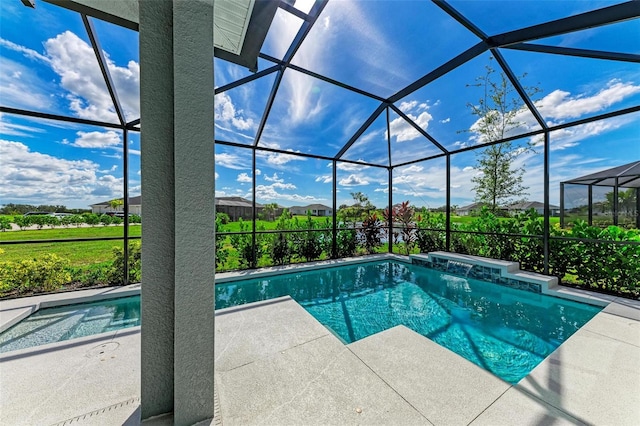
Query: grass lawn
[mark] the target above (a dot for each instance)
(470, 219)
(83, 253)
(71, 232)
(79, 253)
(271, 225)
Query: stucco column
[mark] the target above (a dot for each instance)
(178, 258)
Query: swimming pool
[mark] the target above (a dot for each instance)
(505, 331)
(50, 325)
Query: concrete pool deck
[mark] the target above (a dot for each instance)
(275, 364)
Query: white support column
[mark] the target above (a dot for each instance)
(178, 259)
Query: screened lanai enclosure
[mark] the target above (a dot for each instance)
(618, 206)
(385, 116)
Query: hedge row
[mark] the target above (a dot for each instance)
(72, 220)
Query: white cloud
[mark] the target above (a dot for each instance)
(273, 178)
(245, 178)
(413, 106)
(353, 180)
(275, 158)
(560, 104)
(348, 167)
(12, 129)
(112, 169)
(324, 179)
(572, 136)
(401, 129)
(227, 114)
(446, 120)
(269, 193)
(127, 85)
(282, 185)
(217, 175)
(29, 53)
(231, 161)
(74, 61)
(108, 139)
(305, 101)
(385, 189)
(36, 178)
(21, 87)
(411, 169)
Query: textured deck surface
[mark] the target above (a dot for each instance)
(276, 365)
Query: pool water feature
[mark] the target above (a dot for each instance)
(50, 325)
(503, 330)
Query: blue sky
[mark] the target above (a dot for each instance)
(376, 46)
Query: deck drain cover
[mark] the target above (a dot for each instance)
(102, 349)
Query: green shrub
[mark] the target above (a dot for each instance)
(91, 219)
(223, 217)
(308, 244)
(222, 253)
(22, 221)
(134, 218)
(91, 275)
(5, 223)
(116, 275)
(346, 242)
(281, 244)
(75, 219)
(248, 255)
(429, 236)
(106, 220)
(46, 273)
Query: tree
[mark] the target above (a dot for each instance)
(114, 204)
(360, 209)
(498, 111)
(5, 223)
(269, 210)
(626, 200)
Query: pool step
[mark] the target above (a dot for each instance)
(497, 271)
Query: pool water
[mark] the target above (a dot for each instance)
(505, 331)
(57, 324)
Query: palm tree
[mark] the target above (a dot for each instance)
(114, 204)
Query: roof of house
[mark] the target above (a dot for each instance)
(471, 206)
(133, 201)
(312, 207)
(235, 202)
(526, 205)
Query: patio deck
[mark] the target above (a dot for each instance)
(275, 364)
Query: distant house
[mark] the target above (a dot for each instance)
(518, 208)
(237, 207)
(512, 209)
(135, 206)
(315, 209)
(470, 209)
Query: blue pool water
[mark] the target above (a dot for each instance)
(507, 332)
(51, 325)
